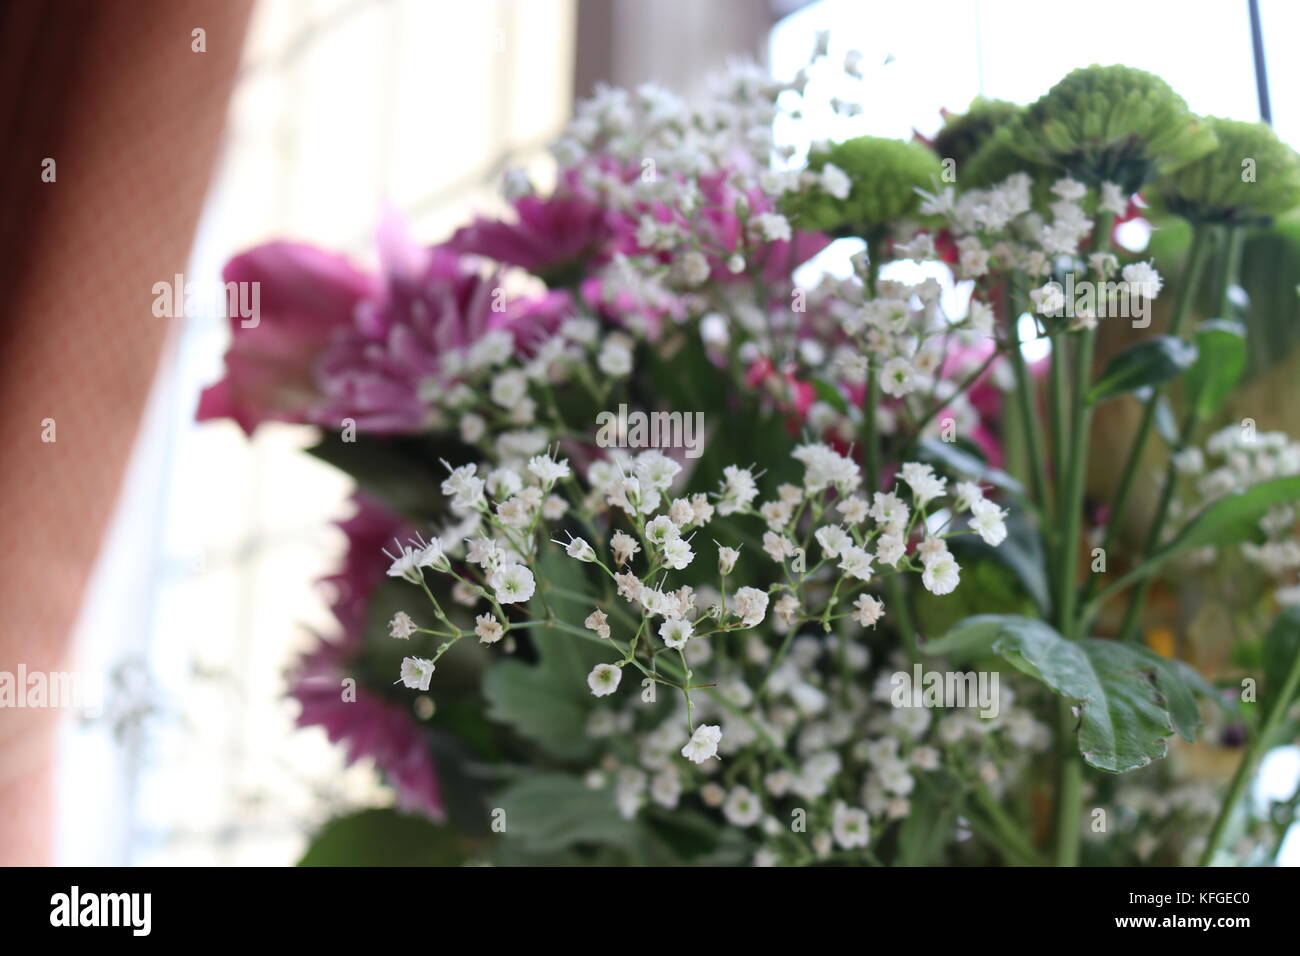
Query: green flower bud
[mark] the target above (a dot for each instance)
(1250, 176)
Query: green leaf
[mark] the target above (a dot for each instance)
(1181, 684)
(1281, 647)
(548, 702)
(956, 459)
(1221, 358)
(1123, 715)
(1144, 365)
(384, 838)
(831, 395)
(552, 811)
(929, 828)
(1233, 518)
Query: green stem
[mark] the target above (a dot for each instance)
(1197, 256)
(1025, 402)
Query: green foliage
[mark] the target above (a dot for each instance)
(554, 811)
(1123, 694)
(1232, 519)
(1281, 648)
(1148, 363)
(1221, 358)
(548, 702)
(964, 133)
(384, 838)
(1107, 123)
(1250, 176)
(885, 174)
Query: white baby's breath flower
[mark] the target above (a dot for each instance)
(416, 672)
(834, 181)
(675, 633)
(703, 743)
(596, 621)
(678, 554)
(855, 562)
(890, 547)
(833, 539)
(941, 573)
(727, 560)
(401, 626)
(988, 521)
(742, 808)
(867, 610)
(604, 679)
(750, 606)
(513, 583)
(548, 470)
(897, 377)
(850, 826)
(488, 629)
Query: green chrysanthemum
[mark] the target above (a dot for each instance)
(884, 173)
(1108, 123)
(1250, 176)
(964, 133)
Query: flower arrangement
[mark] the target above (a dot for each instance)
(675, 545)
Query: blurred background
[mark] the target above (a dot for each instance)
(204, 588)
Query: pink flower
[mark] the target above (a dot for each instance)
(555, 239)
(333, 343)
(306, 296)
(368, 725)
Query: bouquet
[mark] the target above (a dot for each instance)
(736, 502)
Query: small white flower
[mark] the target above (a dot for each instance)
(751, 606)
(662, 529)
(678, 554)
(604, 679)
(596, 621)
(921, 479)
(416, 672)
(703, 743)
(833, 539)
(548, 470)
(773, 227)
(675, 634)
(941, 573)
(850, 827)
(967, 493)
(1048, 300)
(835, 181)
(1143, 279)
(615, 359)
(855, 562)
(578, 548)
(897, 378)
(1113, 199)
(867, 610)
(488, 629)
(988, 521)
(742, 808)
(401, 626)
(890, 547)
(509, 387)
(513, 583)
(623, 546)
(727, 560)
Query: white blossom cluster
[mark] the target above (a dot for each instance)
(1233, 459)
